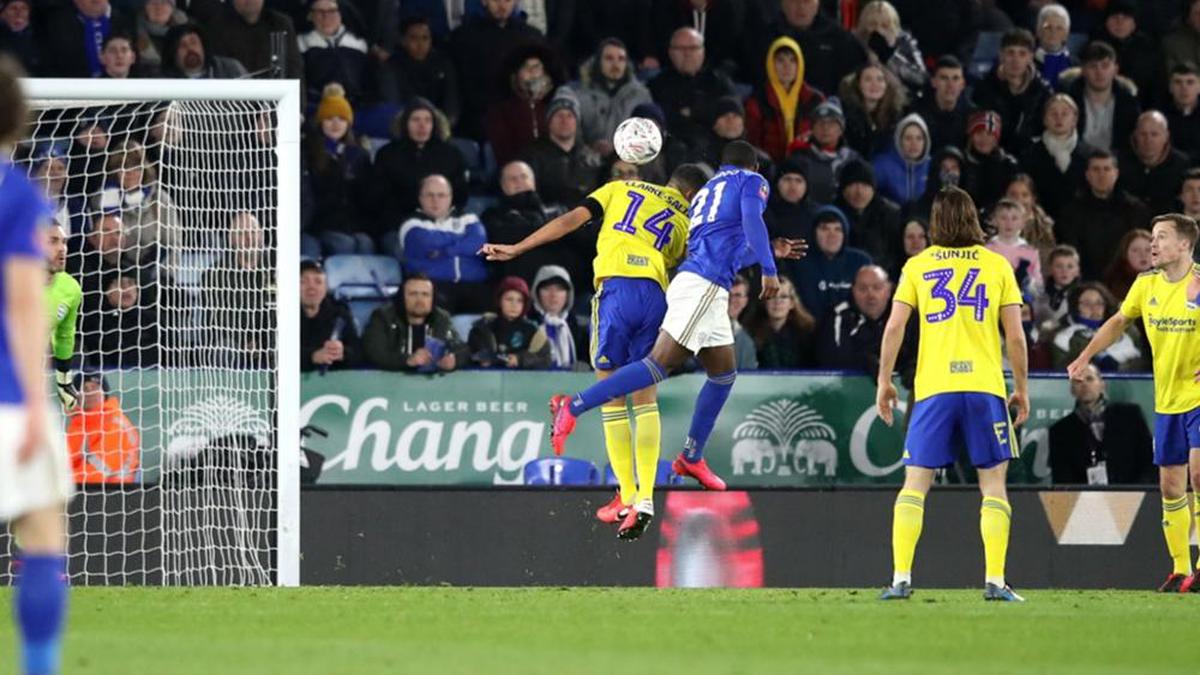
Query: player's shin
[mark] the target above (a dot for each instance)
(649, 447)
(995, 521)
(40, 602)
(709, 402)
(1176, 524)
(628, 379)
(908, 516)
(618, 440)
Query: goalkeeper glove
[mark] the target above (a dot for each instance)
(67, 393)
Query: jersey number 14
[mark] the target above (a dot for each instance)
(659, 224)
(969, 294)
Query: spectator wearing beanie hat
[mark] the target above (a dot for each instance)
(790, 211)
(728, 124)
(988, 168)
(874, 223)
(420, 148)
(339, 172)
(566, 169)
(1139, 56)
(508, 338)
(824, 151)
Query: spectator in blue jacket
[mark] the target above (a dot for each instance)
(442, 244)
(826, 275)
(901, 172)
(332, 53)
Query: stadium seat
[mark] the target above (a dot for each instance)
(561, 471)
(361, 309)
(310, 247)
(374, 144)
(462, 323)
(477, 204)
(742, 90)
(987, 49)
(489, 170)
(469, 149)
(664, 476)
(375, 119)
(354, 277)
(1076, 42)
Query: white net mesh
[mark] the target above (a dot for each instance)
(170, 210)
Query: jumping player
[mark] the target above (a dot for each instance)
(727, 233)
(963, 294)
(643, 234)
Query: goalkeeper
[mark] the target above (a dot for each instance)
(63, 296)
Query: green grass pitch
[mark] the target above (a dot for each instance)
(617, 631)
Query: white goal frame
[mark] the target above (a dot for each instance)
(286, 95)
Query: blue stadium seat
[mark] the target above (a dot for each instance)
(1076, 42)
(361, 309)
(665, 475)
(987, 49)
(374, 144)
(477, 204)
(462, 324)
(742, 90)
(561, 471)
(489, 171)
(375, 119)
(469, 149)
(352, 277)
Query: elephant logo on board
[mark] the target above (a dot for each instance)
(783, 437)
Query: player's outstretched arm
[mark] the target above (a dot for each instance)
(893, 336)
(25, 318)
(552, 231)
(1018, 358)
(1104, 338)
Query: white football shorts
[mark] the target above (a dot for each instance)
(43, 481)
(697, 313)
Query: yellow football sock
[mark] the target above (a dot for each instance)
(648, 447)
(1176, 525)
(1196, 518)
(995, 518)
(618, 439)
(907, 517)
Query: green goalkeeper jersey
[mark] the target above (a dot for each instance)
(63, 296)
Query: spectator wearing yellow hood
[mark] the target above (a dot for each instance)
(779, 111)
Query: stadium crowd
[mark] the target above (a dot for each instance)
(432, 126)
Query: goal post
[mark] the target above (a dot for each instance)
(223, 524)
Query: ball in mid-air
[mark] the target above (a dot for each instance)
(637, 140)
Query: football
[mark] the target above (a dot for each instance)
(637, 140)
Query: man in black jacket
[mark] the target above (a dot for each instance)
(875, 224)
(1100, 215)
(945, 107)
(685, 89)
(830, 53)
(849, 338)
(241, 29)
(1152, 170)
(566, 169)
(1101, 442)
(1015, 90)
(328, 336)
(74, 36)
(479, 46)
(1183, 109)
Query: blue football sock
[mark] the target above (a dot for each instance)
(41, 601)
(628, 379)
(712, 398)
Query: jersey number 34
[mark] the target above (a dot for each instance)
(969, 294)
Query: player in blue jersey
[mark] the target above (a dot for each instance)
(35, 481)
(727, 233)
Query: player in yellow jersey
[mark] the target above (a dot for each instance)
(1167, 299)
(643, 234)
(963, 294)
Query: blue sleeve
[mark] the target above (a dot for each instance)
(23, 211)
(473, 238)
(424, 244)
(754, 202)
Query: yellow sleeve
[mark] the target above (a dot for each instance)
(1131, 306)
(1010, 294)
(906, 288)
(603, 193)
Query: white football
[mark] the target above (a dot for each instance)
(637, 140)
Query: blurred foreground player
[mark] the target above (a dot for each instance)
(34, 477)
(643, 234)
(727, 233)
(1167, 299)
(963, 294)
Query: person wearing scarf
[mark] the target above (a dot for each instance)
(780, 111)
(1058, 158)
(1091, 304)
(553, 298)
(1052, 56)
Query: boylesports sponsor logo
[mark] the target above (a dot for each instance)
(1170, 324)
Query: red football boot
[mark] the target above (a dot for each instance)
(1191, 584)
(1173, 584)
(636, 521)
(700, 471)
(564, 422)
(612, 512)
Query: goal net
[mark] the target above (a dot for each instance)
(179, 200)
